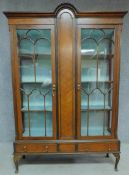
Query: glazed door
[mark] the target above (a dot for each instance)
(36, 85)
(96, 82)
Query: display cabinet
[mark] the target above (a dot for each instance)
(65, 74)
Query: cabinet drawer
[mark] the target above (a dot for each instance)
(98, 147)
(35, 148)
(66, 147)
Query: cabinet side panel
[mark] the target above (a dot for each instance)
(15, 83)
(66, 74)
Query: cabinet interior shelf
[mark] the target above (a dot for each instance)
(95, 108)
(37, 82)
(30, 55)
(94, 81)
(37, 108)
(100, 56)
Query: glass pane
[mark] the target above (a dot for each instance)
(34, 48)
(95, 125)
(37, 124)
(97, 52)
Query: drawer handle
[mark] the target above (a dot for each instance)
(109, 148)
(24, 147)
(46, 149)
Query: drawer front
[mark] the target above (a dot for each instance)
(35, 148)
(66, 147)
(98, 147)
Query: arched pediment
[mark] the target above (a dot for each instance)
(67, 6)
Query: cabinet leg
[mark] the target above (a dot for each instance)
(117, 156)
(107, 155)
(23, 156)
(16, 159)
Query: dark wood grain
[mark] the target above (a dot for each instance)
(66, 77)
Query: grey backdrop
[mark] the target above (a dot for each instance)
(7, 131)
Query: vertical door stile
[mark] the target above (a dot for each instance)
(78, 70)
(54, 85)
(15, 83)
(118, 29)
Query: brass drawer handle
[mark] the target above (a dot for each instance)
(24, 147)
(109, 148)
(46, 149)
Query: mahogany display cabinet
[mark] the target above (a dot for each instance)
(65, 76)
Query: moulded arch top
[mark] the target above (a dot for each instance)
(66, 6)
(66, 11)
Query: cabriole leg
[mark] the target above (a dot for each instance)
(117, 156)
(16, 158)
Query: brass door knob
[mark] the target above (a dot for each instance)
(53, 89)
(78, 86)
